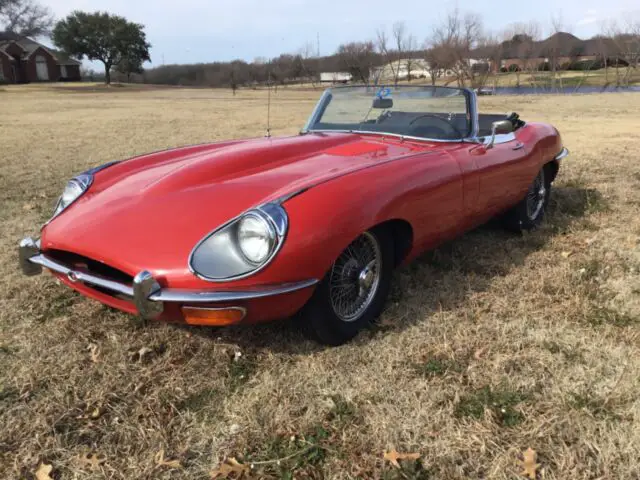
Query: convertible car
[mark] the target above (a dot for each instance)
(310, 225)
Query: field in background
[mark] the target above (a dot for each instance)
(490, 345)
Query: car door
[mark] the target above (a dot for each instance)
(503, 172)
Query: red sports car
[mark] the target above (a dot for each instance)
(248, 231)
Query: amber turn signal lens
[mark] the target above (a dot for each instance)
(213, 316)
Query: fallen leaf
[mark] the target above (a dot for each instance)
(478, 353)
(43, 471)
(162, 462)
(228, 467)
(392, 456)
(92, 461)
(97, 413)
(529, 464)
(144, 351)
(95, 352)
(566, 254)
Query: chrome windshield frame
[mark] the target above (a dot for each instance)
(472, 106)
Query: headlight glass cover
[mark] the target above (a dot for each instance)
(72, 191)
(242, 246)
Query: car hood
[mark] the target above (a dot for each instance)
(149, 212)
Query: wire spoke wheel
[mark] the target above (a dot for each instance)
(536, 196)
(355, 277)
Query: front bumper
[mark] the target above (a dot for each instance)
(145, 292)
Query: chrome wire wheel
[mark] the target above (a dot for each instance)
(355, 278)
(536, 196)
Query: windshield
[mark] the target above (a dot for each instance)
(439, 113)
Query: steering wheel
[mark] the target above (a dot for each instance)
(431, 115)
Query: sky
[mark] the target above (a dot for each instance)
(192, 31)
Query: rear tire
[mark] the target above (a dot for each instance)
(353, 292)
(529, 212)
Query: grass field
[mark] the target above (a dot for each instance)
(490, 345)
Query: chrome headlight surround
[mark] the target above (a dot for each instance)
(219, 256)
(75, 188)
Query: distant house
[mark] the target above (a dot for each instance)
(23, 60)
(563, 49)
(403, 69)
(335, 77)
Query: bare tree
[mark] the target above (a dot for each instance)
(625, 37)
(25, 17)
(400, 39)
(554, 45)
(387, 54)
(521, 45)
(458, 36)
(410, 46)
(306, 54)
(357, 58)
(435, 60)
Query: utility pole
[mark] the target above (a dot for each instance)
(318, 40)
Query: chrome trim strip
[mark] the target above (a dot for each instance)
(144, 281)
(77, 276)
(395, 135)
(563, 154)
(203, 296)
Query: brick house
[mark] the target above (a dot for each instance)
(23, 60)
(563, 49)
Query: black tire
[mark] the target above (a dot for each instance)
(319, 318)
(529, 212)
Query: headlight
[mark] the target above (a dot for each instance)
(256, 238)
(241, 247)
(73, 190)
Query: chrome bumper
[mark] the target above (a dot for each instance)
(563, 153)
(145, 292)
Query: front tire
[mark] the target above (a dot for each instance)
(529, 212)
(353, 292)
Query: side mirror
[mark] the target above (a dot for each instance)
(500, 127)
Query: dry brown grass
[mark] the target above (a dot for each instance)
(492, 344)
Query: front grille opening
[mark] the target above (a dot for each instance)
(79, 262)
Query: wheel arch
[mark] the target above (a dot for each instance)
(401, 231)
(552, 168)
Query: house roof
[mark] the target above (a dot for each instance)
(30, 46)
(560, 44)
(64, 58)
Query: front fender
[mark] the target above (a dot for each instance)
(425, 191)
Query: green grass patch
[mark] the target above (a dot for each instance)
(205, 399)
(343, 411)
(438, 367)
(284, 456)
(240, 370)
(600, 315)
(569, 353)
(593, 404)
(501, 402)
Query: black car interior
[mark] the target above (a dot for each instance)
(435, 125)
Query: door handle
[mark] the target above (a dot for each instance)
(519, 146)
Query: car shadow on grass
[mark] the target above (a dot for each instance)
(439, 279)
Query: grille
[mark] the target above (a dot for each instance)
(79, 262)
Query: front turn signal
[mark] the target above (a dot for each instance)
(217, 317)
